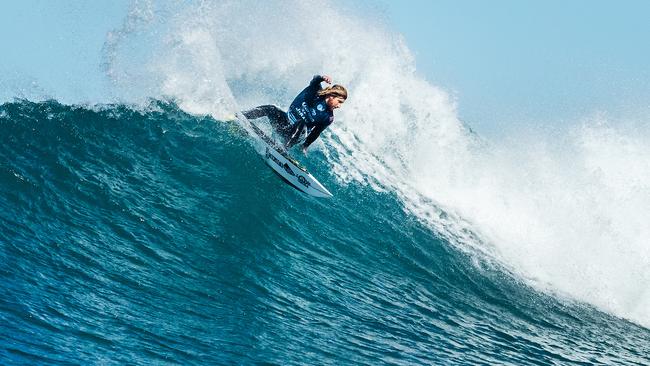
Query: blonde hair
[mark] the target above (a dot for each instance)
(334, 91)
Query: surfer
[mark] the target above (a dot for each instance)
(312, 110)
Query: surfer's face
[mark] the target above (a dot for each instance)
(334, 102)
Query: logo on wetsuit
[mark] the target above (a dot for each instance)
(306, 113)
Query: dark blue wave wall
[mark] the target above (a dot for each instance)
(155, 237)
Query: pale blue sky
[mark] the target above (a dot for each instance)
(57, 44)
(510, 63)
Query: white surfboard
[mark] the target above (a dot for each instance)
(284, 165)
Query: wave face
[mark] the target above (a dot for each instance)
(152, 236)
(564, 212)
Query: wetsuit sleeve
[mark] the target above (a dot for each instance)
(313, 135)
(312, 89)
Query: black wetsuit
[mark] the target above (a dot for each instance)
(307, 111)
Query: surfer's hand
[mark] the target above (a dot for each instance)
(327, 79)
(304, 150)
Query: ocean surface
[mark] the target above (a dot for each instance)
(139, 227)
(142, 236)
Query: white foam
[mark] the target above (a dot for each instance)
(569, 216)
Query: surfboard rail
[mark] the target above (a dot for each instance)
(290, 170)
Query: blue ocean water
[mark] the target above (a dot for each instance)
(150, 236)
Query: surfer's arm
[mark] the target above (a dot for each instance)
(326, 79)
(314, 86)
(313, 135)
(315, 82)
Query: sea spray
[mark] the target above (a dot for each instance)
(564, 215)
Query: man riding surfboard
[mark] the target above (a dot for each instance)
(312, 110)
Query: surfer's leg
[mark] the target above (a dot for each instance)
(270, 111)
(292, 135)
(277, 117)
(257, 112)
